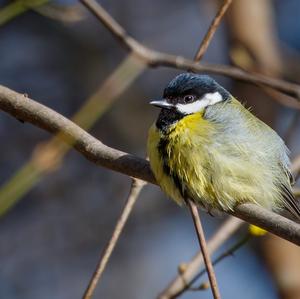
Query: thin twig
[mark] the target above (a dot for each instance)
(28, 110)
(222, 256)
(135, 190)
(154, 58)
(195, 214)
(204, 249)
(281, 98)
(212, 29)
(228, 228)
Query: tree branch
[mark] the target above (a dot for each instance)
(193, 208)
(154, 58)
(178, 284)
(94, 150)
(21, 107)
(212, 29)
(222, 256)
(135, 189)
(206, 256)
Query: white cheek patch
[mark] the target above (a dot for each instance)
(208, 100)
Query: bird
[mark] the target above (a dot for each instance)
(206, 146)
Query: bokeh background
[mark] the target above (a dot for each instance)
(59, 55)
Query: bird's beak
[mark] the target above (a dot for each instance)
(162, 104)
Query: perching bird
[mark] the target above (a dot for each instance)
(206, 146)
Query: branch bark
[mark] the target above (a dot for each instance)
(193, 208)
(212, 29)
(154, 58)
(206, 256)
(178, 284)
(135, 189)
(21, 107)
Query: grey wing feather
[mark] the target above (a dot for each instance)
(291, 177)
(290, 201)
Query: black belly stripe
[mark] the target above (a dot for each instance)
(162, 149)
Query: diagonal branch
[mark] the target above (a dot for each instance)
(193, 208)
(39, 115)
(136, 188)
(212, 29)
(203, 246)
(222, 256)
(177, 285)
(154, 58)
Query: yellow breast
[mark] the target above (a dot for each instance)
(194, 158)
(178, 158)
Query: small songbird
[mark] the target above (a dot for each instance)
(206, 146)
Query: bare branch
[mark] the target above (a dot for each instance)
(135, 190)
(222, 256)
(264, 218)
(28, 110)
(212, 29)
(204, 250)
(193, 208)
(154, 58)
(94, 150)
(178, 284)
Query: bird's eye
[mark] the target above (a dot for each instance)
(189, 99)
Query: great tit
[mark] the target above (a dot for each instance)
(206, 146)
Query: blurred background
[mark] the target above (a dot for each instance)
(59, 55)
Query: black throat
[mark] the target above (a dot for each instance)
(166, 118)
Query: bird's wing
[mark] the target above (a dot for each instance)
(291, 177)
(288, 197)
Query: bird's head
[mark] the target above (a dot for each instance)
(190, 93)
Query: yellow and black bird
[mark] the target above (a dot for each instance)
(206, 146)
